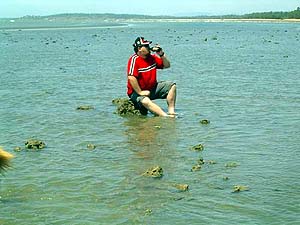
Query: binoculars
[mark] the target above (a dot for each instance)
(155, 49)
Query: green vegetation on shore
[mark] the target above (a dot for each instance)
(295, 14)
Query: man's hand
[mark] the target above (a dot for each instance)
(145, 93)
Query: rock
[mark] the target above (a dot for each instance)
(181, 187)
(155, 172)
(196, 168)
(204, 122)
(211, 162)
(17, 149)
(231, 164)
(198, 147)
(125, 107)
(239, 188)
(85, 107)
(201, 161)
(91, 146)
(34, 144)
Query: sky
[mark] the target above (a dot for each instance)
(19, 8)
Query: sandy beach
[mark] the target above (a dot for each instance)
(213, 20)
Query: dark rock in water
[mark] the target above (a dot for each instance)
(196, 168)
(181, 187)
(34, 144)
(239, 188)
(91, 146)
(125, 107)
(156, 172)
(17, 149)
(231, 164)
(205, 121)
(198, 147)
(85, 107)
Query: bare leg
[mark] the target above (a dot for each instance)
(171, 100)
(152, 107)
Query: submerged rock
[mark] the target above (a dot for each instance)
(231, 164)
(198, 147)
(34, 144)
(125, 107)
(181, 187)
(155, 172)
(196, 168)
(204, 122)
(91, 146)
(85, 107)
(239, 188)
(17, 149)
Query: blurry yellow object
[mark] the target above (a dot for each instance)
(5, 158)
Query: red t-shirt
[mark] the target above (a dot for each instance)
(144, 70)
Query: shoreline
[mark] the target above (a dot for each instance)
(126, 22)
(213, 20)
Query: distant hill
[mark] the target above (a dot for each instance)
(295, 14)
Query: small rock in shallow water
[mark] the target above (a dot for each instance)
(196, 168)
(34, 144)
(155, 171)
(182, 187)
(17, 149)
(125, 107)
(231, 164)
(91, 146)
(85, 107)
(239, 188)
(198, 147)
(204, 122)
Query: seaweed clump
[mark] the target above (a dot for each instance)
(155, 172)
(125, 107)
(34, 144)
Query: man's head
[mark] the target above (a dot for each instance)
(142, 46)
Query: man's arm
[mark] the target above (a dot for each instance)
(166, 61)
(136, 87)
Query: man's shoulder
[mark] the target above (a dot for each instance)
(134, 56)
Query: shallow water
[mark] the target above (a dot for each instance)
(243, 77)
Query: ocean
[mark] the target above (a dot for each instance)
(242, 77)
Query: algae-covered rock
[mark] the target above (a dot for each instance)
(181, 187)
(155, 171)
(34, 144)
(198, 147)
(85, 107)
(5, 158)
(125, 107)
(148, 212)
(91, 146)
(204, 122)
(201, 161)
(239, 188)
(196, 168)
(17, 149)
(211, 162)
(231, 164)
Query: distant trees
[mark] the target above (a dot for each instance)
(274, 15)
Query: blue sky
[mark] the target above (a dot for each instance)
(18, 8)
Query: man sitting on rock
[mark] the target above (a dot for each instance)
(142, 85)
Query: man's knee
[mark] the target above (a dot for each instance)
(146, 101)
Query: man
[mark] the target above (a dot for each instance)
(5, 158)
(142, 85)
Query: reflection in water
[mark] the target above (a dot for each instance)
(150, 137)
